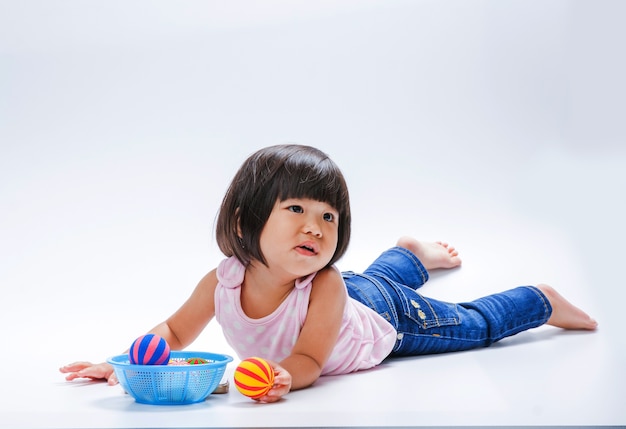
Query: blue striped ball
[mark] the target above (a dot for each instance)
(149, 349)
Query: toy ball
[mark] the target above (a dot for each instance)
(254, 377)
(149, 349)
(196, 361)
(178, 362)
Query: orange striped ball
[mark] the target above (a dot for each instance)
(254, 377)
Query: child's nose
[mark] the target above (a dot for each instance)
(313, 228)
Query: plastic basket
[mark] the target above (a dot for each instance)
(171, 384)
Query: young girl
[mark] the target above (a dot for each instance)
(283, 223)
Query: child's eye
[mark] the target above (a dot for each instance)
(295, 209)
(329, 217)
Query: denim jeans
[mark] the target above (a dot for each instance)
(424, 325)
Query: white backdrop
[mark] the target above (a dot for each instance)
(498, 126)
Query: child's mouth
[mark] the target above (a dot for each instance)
(307, 249)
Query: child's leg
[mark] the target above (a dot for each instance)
(432, 255)
(399, 265)
(426, 325)
(408, 263)
(482, 322)
(434, 326)
(564, 314)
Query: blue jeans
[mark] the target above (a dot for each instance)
(389, 287)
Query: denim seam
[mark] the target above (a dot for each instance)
(432, 310)
(445, 337)
(416, 262)
(546, 303)
(528, 323)
(384, 294)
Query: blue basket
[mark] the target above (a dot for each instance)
(171, 384)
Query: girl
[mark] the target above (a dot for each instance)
(283, 223)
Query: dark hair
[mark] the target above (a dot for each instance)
(272, 174)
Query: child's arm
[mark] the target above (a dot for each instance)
(179, 330)
(317, 337)
(184, 326)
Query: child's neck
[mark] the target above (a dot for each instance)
(262, 291)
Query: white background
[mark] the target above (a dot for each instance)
(495, 125)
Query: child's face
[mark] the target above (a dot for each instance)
(300, 236)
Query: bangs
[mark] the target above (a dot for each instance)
(320, 182)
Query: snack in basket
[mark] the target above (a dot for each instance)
(196, 361)
(149, 349)
(254, 377)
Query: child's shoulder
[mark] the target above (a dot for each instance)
(230, 272)
(328, 278)
(328, 287)
(209, 281)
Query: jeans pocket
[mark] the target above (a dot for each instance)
(429, 313)
(425, 325)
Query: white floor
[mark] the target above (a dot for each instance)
(121, 124)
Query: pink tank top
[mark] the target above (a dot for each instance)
(365, 337)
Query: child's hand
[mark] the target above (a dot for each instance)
(98, 371)
(282, 384)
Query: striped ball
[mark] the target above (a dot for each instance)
(149, 349)
(254, 377)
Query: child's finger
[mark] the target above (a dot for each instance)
(274, 395)
(71, 376)
(282, 380)
(75, 366)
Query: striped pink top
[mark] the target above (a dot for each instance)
(365, 338)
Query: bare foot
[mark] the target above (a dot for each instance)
(432, 255)
(564, 314)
